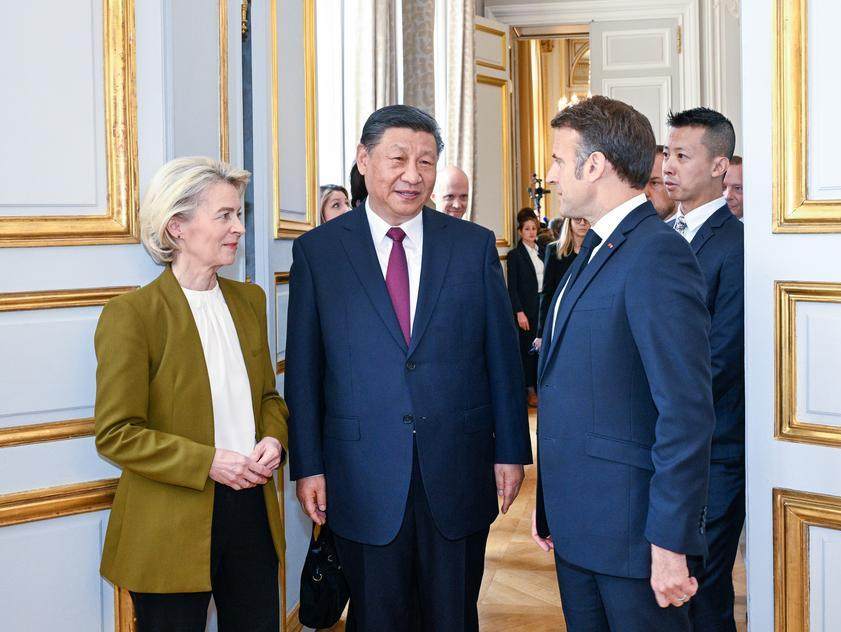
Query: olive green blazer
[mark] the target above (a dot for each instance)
(154, 419)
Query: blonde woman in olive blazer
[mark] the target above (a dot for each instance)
(192, 517)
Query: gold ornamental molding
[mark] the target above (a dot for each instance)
(506, 239)
(794, 514)
(788, 426)
(52, 299)
(794, 212)
(124, 620)
(119, 222)
(503, 41)
(224, 150)
(280, 278)
(46, 432)
(286, 228)
(55, 502)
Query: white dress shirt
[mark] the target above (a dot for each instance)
(412, 244)
(696, 217)
(537, 262)
(230, 390)
(603, 228)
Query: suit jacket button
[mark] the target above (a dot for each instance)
(411, 365)
(407, 419)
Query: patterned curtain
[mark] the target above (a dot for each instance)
(461, 106)
(418, 56)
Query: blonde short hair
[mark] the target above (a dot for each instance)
(176, 189)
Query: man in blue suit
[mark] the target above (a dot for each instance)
(700, 145)
(625, 415)
(404, 385)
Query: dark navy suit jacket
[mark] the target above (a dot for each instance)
(719, 246)
(356, 392)
(626, 415)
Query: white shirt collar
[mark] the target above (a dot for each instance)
(379, 227)
(696, 217)
(608, 223)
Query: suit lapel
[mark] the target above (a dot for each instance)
(434, 262)
(572, 294)
(360, 250)
(715, 221)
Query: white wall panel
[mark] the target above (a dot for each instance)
(489, 178)
(291, 109)
(48, 364)
(818, 355)
(51, 114)
(40, 465)
(652, 96)
(824, 579)
(823, 96)
(643, 49)
(50, 578)
(193, 77)
(489, 49)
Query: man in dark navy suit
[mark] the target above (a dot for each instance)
(625, 415)
(404, 387)
(700, 144)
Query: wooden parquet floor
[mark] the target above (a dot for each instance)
(519, 590)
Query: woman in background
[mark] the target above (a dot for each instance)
(186, 405)
(559, 256)
(334, 201)
(525, 281)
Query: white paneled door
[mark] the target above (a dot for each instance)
(493, 177)
(637, 61)
(792, 314)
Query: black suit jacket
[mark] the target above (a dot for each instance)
(553, 270)
(522, 284)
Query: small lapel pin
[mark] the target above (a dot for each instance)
(609, 245)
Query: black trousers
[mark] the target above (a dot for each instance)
(420, 580)
(243, 574)
(712, 607)
(603, 603)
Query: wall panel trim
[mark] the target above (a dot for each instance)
(794, 513)
(55, 502)
(119, 223)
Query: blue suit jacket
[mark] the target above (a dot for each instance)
(625, 420)
(356, 392)
(719, 246)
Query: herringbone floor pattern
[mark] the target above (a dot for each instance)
(519, 590)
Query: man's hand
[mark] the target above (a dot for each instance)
(508, 481)
(670, 578)
(523, 321)
(312, 494)
(237, 471)
(267, 452)
(544, 543)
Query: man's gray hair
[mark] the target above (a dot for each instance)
(404, 116)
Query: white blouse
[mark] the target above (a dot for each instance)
(230, 390)
(537, 262)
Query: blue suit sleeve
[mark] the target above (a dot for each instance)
(505, 371)
(670, 325)
(727, 334)
(304, 369)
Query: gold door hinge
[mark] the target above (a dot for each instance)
(679, 39)
(244, 18)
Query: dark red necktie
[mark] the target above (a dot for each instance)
(397, 281)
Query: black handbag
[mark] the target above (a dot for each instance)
(324, 589)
